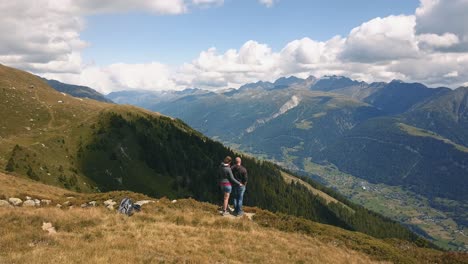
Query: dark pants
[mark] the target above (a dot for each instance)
(238, 197)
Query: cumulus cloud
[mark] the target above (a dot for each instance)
(44, 35)
(428, 41)
(444, 18)
(380, 39)
(121, 76)
(32, 41)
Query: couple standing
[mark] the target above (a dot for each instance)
(232, 179)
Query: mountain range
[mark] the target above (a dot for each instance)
(397, 134)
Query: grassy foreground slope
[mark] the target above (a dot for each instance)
(184, 231)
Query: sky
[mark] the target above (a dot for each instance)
(113, 45)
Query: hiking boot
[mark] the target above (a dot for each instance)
(240, 214)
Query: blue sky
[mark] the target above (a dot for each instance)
(113, 45)
(174, 39)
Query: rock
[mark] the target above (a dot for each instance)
(58, 206)
(28, 198)
(110, 207)
(29, 203)
(48, 227)
(142, 202)
(92, 203)
(37, 202)
(174, 201)
(109, 202)
(15, 201)
(84, 205)
(70, 197)
(47, 202)
(4, 203)
(66, 203)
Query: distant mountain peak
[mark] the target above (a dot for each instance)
(333, 82)
(288, 80)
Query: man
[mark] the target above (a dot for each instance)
(238, 190)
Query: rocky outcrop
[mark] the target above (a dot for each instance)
(110, 204)
(4, 203)
(29, 203)
(15, 201)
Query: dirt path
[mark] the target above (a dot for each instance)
(51, 112)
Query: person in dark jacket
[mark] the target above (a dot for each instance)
(238, 190)
(225, 180)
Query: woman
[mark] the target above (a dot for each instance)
(225, 178)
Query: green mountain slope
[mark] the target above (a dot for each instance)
(446, 115)
(397, 97)
(85, 145)
(385, 150)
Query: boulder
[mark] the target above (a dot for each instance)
(84, 205)
(110, 207)
(28, 198)
(92, 203)
(58, 206)
(48, 227)
(142, 202)
(15, 201)
(37, 202)
(29, 203)
(174, 201)
(4, 203)
(110, 202)
(46, 202)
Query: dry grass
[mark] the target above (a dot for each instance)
(159, 234)
(186, 231)
(14, 186)
(183, 232)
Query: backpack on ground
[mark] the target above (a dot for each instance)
(128, 207)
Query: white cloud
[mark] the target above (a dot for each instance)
(267, 3)
(437, 41)
(253, 61)
(444, 17)
(121, 76)
(44, 35)
(380, 39)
